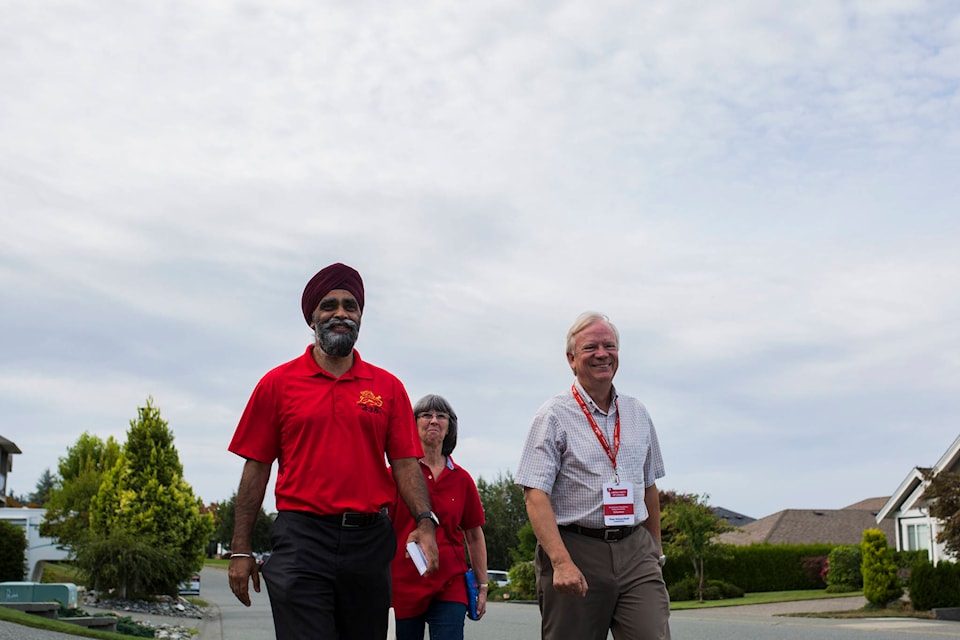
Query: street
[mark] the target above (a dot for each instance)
(519, 621)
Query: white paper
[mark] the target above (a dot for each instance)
(416, 554)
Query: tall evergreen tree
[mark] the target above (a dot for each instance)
(45, 485)
(144, 498)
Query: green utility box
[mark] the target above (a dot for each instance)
(17, 591)
(63, 592)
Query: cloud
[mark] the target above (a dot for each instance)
(760, 195)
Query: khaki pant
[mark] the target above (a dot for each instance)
(626, 593)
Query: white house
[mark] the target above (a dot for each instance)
(39, 549)
(914, 528)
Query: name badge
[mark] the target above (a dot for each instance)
(618, 505)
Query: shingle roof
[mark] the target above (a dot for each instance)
(808, 526)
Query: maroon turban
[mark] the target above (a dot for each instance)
(336, 276)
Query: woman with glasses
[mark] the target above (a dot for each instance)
(439, 599)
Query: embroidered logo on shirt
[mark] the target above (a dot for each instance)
(370, 402)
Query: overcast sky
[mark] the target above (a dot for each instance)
(762, 195)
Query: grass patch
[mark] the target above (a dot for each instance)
(38, 622)
(765, 597)
(59, 572)
(216, 562)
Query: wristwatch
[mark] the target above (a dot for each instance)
(663, 560)
(429, 515)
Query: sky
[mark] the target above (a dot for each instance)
(761, 195)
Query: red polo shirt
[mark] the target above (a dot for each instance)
(329, 435)
(457, 504)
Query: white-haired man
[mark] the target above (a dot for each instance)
(589, 469)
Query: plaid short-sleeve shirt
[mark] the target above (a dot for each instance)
(563, 457)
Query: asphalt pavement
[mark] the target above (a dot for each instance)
(228, 619)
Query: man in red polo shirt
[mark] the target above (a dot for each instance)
(328, 418)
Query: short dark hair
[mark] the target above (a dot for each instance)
(433, 402)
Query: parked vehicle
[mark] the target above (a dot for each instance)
(190, 587)
(497, 577)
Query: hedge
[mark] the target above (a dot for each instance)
(760, 567)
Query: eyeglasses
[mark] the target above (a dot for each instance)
(431, 416)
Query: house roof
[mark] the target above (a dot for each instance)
(808, 526)
(908, 494)
(870, 504)
(8, 446)
(732, 517)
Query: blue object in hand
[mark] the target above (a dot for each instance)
(472, 595)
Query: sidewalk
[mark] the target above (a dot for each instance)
(824, 605)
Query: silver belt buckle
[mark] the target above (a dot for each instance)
(611, 535)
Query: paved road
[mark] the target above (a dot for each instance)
(516, 621)
(227, 618)
(230, 620)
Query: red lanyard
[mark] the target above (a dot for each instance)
(596, 430)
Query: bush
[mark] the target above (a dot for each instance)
(687, 589)
(760, 567)
(13, 552)
(880, 583)
(934, 586)
(843, 569)
(130, 568)
(523, 580)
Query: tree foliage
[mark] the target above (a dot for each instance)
(80, 473)
(506, 513)
(526, 549)
(693, 526)
(224, 533)
(131, 566)
(13, 552)
(144, 498)
(943, 492)
(45, 484)
(880, 582)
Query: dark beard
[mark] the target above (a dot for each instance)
(336, 345)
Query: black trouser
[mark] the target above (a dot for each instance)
(328, 582)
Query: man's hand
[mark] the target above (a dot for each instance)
(568, 579)
(425, 535)
(240, 572)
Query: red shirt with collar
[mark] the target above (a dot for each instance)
(329, 435)
(457, 504)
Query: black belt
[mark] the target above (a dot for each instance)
(352, 520)
(609, 534)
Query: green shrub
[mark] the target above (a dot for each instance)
(843, 569)
(13, 552)
(130, 567)
(880, 583)
(687, 589)
(934, 586)
(760, 567)
(523, 580)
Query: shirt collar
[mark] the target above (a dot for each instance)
(593, 405)
(308, 367)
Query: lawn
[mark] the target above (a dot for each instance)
(765, 597)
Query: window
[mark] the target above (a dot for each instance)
(918, 537)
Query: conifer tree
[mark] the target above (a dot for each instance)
(145, 507)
